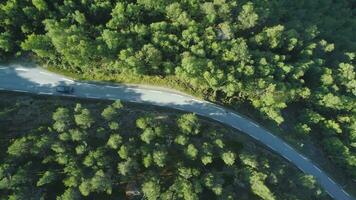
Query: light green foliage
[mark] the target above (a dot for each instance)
(206, 160)
(113, 125)
(308, 181)
(214, 182)
(188, 172)
(181, 139)
(5, 42)
(109, 113)
(278, 59)
(69, 194)
(177, 15)
(249, 160)
(77, 135)
(151, 189)
(247, 17)
(126, 167)
(80, 149)
(79, 17)
(143, 122)
(259, 188)
(148, 135)
(303, 129)
(112, 112)
(271, 37)
(62, 119)
(189, 124)
(46, 178)
(114, 141)
(151, 57)
(191, 151)
(209, 11)
(347, 77)
(40, 4)
(112, 39)
(228, 157)
(19, 147)
(101, 182)
(118, 16)
(84, 118)
(147, 160)
(219, 143)
(160, 158)
(123, 152)
(84, 188)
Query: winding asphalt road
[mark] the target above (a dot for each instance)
(18, 77)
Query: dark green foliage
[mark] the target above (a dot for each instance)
(272, 55)
(79, 157)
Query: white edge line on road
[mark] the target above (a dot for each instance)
(254, 124)
(45, 73)
(256, 138)
(199, 101)
(156, 91)
(110, 86)
(303, 170)
(21, 69)
(236, 115)
(45, 93)
(67, 95)
(221, 109)
(65, 79)
(345, 192)
(331, 180)
(269, 146)
(177, 95)
(289, 147)
(92, 97)
(135, 101)
(317, 168)
(219, 120)
(179, 108)
(286, 158)
(21, 91)
(330, 194)
(4, 68)
(216, 113)
(305, 158)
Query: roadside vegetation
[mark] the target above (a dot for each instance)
(288, 62)
(67, 149)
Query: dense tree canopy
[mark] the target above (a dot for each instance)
(274, 55)
(80, 156)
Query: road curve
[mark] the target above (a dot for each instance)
(17, 77)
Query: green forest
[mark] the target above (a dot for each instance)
(107, 150)
(291, 61)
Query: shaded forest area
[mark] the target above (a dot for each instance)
(274, 55)
(56, 148)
